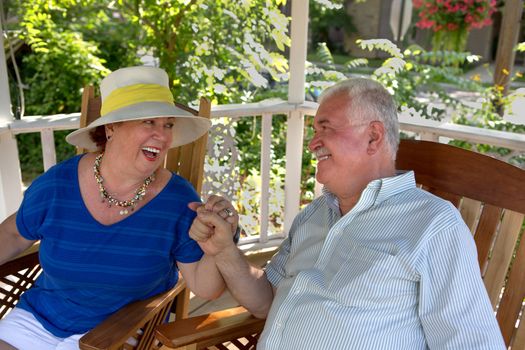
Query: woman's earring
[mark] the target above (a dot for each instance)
(108, 137)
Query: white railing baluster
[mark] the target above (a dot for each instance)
(48, 148)
(266, 146)
(294, 160)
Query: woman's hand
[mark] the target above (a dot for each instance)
(215, 224)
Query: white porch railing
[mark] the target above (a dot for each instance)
(430, 130)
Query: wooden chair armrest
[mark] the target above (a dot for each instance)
(123, 324)
(210, 329)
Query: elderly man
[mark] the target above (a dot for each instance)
(374, 263)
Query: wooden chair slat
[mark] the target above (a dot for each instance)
(173, 159)
(502, 254)
(200, 149)
(17, 276)
(513, 296)
(470, 210)
(519, 340)
(89, 110)
(184, 167)
(485, 233)
(181, 305)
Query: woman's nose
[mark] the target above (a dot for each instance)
(161, 133)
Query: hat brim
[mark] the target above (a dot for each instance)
(187, 128)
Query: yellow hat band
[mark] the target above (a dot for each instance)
(132, 94)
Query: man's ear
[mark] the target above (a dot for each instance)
(376, 136)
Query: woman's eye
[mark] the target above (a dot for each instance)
(148, 121)
(169, 126)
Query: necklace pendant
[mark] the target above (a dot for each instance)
(123, 212)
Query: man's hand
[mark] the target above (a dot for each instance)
(215, 224)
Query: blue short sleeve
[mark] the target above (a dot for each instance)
(38, 198)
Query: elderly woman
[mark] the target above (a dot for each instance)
(113, 224)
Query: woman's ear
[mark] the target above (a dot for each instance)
(376, 136)
(109, 129)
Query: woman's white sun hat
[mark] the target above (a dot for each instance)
(136, 93)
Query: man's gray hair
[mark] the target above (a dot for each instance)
(369, 101)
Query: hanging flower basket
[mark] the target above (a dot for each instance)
(452, 20)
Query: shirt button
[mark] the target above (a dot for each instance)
(278, 325)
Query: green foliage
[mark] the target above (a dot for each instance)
(212, 48)
(434, 73)
(323, 74)
(225, 50)
(326, 15)
(412, 72)
(325, 56)
(59, 63)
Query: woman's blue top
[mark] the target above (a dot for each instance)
(91, 270)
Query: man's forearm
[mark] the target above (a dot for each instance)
(248, 284)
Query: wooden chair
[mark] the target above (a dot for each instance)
(136, 321)
(490, 195)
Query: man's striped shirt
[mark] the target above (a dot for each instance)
(399, 271)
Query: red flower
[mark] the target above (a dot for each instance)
(452, 15)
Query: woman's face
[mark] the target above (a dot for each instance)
(142, 142)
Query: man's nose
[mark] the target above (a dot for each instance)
(314, 143)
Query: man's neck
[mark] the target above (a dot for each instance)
(350, 198)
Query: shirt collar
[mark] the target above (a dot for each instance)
(376, 191)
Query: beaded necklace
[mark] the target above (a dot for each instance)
(139, 192)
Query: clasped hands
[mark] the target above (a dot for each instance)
(214, 225)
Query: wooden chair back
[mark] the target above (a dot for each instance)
(137, 320)
(490, 194)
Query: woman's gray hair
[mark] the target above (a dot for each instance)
(369, 101)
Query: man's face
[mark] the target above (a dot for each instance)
(339, 144)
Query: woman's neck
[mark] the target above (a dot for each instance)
(119, 178)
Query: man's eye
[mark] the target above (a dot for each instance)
(169, 126)
(148, 121)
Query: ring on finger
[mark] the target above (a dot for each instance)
(228, 212)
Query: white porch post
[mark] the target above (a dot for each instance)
(294, 135)
(10, 176)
